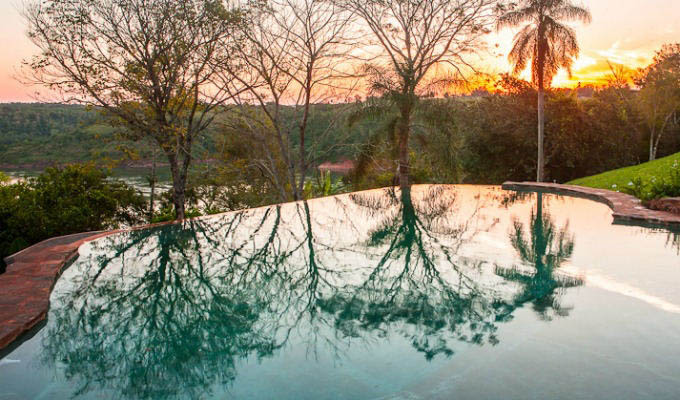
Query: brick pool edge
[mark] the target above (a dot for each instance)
(26, 285)
(627, 209)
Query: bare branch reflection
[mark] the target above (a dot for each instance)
(176, 310)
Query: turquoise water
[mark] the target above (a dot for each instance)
(438, 293)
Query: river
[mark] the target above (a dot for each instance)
(135, 177)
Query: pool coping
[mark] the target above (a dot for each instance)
(627, 209)
(28, 281)
(31, 274)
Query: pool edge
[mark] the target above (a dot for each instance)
(627, 209)
(32, 273)
(29, 279)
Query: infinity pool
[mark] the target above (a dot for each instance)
(441, 292)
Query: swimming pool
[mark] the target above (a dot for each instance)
(437, 292)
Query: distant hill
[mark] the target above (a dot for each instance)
(39, 135)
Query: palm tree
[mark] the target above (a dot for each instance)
(544, 249)
(548, 43)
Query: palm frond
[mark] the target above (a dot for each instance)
(545, 42)
(523, 48)
(572, 12)
(516, 17)
(371, 109)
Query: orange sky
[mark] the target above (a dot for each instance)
(623, 31)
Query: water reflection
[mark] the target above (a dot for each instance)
(174, 311)
(418, 281)
(175, 327)
(544, 251)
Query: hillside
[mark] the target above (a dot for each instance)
(38, 135)
(623, 176)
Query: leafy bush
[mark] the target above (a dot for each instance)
(656, 187)
(62, 201)
(324, 185)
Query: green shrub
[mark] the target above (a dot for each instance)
(656, 187)
(324, 185)
(62, 201)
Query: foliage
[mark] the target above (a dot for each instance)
(659, 97)
(500, 133)
(585, 136)
(64, 133)
(634, 179)
(667, 185)
(146, 64)
(324, 185)
(433, 148)
(61, 201)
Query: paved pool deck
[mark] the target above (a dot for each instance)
(26, 285)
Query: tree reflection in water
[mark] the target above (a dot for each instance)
(544, 251)
(418, 283)
(173, 311)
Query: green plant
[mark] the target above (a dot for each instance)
(324, 186)
(657, 187)
(637, 187)
(62, 201)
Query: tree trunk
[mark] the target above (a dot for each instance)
(655, 139)
(404, 133)
(178, 187)
(152, 181)
(540, 170)
(403, 158)
(303, 130)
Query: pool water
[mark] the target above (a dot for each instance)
(439, 292)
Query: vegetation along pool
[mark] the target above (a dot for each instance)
(442, 292)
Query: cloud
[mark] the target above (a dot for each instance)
(593, 67)
(629, 57)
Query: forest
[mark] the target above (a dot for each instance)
(486, 137)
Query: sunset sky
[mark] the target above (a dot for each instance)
(623, 31)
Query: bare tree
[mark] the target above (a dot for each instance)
(295, 58)
(147, 63)
(423, 46)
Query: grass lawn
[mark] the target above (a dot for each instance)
(621, 177)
